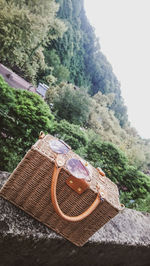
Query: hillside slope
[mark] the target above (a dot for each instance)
(79, 52)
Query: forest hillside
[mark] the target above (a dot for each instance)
(53, 42)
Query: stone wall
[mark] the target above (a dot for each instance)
(124, 241)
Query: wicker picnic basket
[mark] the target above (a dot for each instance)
(60, 189)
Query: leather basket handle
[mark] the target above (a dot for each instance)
(56, 205)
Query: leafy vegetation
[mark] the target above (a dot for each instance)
(71, 134)
(26, 26)
(54, 43)
(23, 115)
(79, 52)
(71, 104)
(19, 130)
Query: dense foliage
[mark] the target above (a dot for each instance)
(26, 26)
(84, 104)
(115, 165)
(23, 115)
(79, 52)
(76, 106)
(71, 134)
(72, 104)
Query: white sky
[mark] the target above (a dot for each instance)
(123, 27)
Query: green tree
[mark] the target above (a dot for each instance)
(56, 68)
(79, 51)
(26, 26)
(23, 115)
(72, 104)
(141, 204)
(108, 157)
(72, 134)
(138, 184)
(134, 186)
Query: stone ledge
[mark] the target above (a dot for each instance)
(124, 241)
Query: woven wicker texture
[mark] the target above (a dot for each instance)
(29, 188)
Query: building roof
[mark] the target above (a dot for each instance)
(41, 89)
(14, 80)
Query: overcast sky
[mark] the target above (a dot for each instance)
(123, 27)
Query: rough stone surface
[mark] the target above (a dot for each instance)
(124, 241)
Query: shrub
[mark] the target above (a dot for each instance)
(72, 134)
(23, 115)
(108, 157)
(72, 105)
